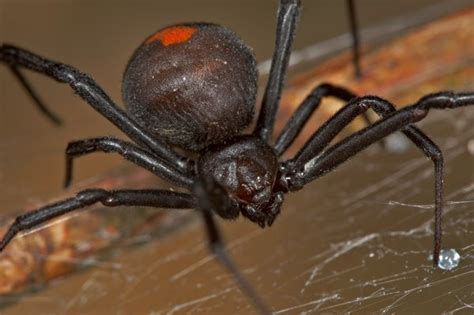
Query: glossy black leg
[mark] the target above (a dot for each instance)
(328, 131)
(130, 152)
(322, 138)
(343, 150)
(113, 198)
(35, 97)
(212, 198)
(355, 38)
(90, 91)
(286, 25)
(302, 114)
(382, 108)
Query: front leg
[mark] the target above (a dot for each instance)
(129, 151)
(322, 164)
(286, 25)
(304, 111)
(355, 38)
(34, 96)
(92, 93)
(109, 198)
(212, 198)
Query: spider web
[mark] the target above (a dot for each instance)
(356, 241)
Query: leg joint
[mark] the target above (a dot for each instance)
(90, 196)
(64, 73)
(436, 155)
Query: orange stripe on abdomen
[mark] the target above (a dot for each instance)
(172, 35)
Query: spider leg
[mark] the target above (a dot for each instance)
(109, 198)
(130, 152)
(302, 114)
(286, 25)
(90, 91)
(350, 146)
(355, 38)
(329, 130)
(34, 96)
(213, 198)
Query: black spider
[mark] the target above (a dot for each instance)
(193, 86)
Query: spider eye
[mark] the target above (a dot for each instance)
(250, 210)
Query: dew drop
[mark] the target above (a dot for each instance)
(470, 146)
(396, 143)
(448, 259)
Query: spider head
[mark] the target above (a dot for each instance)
(266, 215)
(246, 168)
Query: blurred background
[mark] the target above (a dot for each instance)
(98, 37)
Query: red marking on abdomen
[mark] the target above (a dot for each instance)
(172, 35)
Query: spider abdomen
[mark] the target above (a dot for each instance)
(192, 84)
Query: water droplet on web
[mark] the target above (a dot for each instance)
(448, 259)
(396, 143)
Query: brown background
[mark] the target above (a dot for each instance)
(98, 37)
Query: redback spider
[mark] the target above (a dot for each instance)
(193, 86)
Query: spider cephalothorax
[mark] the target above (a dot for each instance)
(193, 86)
(246, 168)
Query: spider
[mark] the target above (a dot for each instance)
(193, 86)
